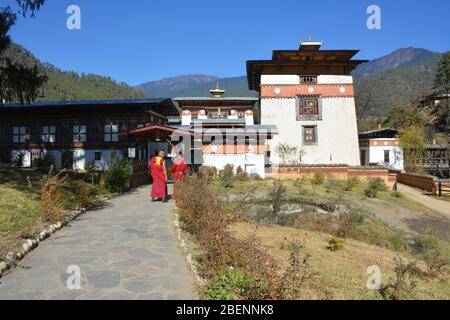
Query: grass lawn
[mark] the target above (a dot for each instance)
(342, 274)
(390, 219)
(19, 205)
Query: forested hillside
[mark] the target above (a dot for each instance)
(67, 85)
(377, 94)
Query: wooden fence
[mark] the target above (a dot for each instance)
(443, 187)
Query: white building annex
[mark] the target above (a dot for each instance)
(381, 147)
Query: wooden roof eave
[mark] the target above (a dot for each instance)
(148, 130)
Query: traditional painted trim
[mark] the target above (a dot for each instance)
(337, 90)
(379, 143)
(231, 149)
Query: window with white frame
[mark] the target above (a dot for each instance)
(79, 133)
(111, 133)
(20, 135)
(48, 134)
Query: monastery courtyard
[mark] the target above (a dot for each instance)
(127, 250)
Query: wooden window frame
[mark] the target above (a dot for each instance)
(308, 79)
(313, 135)
(111, 133)
(79, 133)
(48, 134)
(388, 154)
(305, 112)
(20, 134)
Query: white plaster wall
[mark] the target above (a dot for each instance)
(79, 159)
(252, 164)
(83, 158)
(337, 131)
(26, 160)
(331, 79)
(376, 155)
(186, 120)
(279, 79)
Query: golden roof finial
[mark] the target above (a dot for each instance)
(217, 92)
(310, 38)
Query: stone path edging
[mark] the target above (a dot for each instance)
(188, 255)
(12, 259)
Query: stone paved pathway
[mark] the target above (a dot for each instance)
(127, 250)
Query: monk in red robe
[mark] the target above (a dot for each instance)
(179, 170)
(159, 175)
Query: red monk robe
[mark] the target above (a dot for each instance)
(158, 172)
(179, 170)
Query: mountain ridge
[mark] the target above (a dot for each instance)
(380, 84)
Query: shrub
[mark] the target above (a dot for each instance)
(226, 176)
(255, 176)
(298, 272)
(118, 175)
(431, 254)
(335, 244)
(49, 196)
(232, 284)
(277, 196)
(205, 215)
(85, 194)
(404, 282)
(374, 186)
(396, 194)
(43, 163)
(208, 172)
(317, 180)
(350, 184)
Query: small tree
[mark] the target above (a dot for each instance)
(412, 140)
(298, 272)
(317, 180)
(290, 155)
(277, 196)
(226, 176)
(404, 282)
(442, 81)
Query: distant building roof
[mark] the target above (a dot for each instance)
(379, 133)
(166, 102)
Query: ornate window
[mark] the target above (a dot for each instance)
(308, 79)
(309, 134)
(48, 134)
(20, 135)
(309, 108)
(111, 133)
(79, 133)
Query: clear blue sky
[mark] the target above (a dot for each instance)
(140, 40)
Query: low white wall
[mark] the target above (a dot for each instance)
(251, 163)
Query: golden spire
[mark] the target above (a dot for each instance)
(217, 92)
